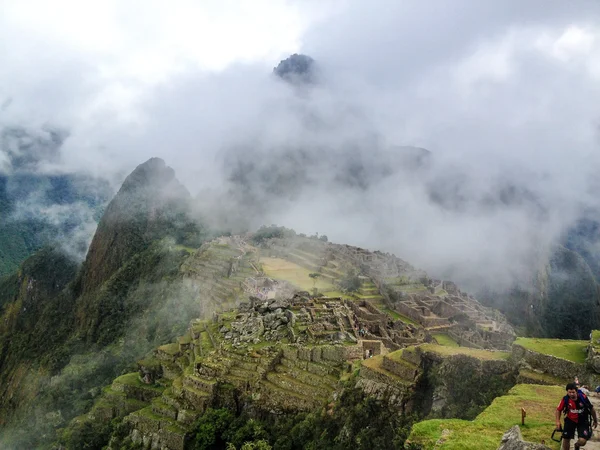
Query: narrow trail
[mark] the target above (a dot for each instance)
(594, 442)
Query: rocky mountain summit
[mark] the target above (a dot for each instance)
(296, 68)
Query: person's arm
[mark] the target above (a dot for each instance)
(558, 413)
(559, 410)
(595, 417)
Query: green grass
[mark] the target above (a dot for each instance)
(170, 349)
(485, 432)
(133, 379)
(543, 378)
(561, 348)
(375, 363)
(282, 269)
(487, 355)
(444, 339)
(408, 320)
(393, 314)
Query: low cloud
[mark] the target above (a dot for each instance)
(503, 96)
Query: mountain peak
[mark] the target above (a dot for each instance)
(150, 205)
(296, 68)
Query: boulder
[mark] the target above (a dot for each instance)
(513, 440)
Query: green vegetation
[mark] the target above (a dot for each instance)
(542, 378)
(350, 282)
(264, 233)
(23, 234)
(282, 269)
(485, 432)
(565, 349)
(408, 320)
(485, 355)
(444, 339)
(355, 421)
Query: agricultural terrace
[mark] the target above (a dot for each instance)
(281, 269)
(561, 348)
(473, 352)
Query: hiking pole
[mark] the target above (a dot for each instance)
(554, 432)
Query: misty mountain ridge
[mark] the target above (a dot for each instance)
(139, 286)
(38, 208)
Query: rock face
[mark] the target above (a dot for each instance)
(513, 440)
(151, 203)
(33, 311)
(296, 68)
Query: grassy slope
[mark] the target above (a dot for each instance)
(281, 269)
(444, 339)
(566, 349)
(487, 429)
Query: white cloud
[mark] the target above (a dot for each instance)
(504, 94)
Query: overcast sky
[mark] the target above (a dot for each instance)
(502, 93)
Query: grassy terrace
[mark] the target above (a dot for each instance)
(375, 363)
(561, 348)
(444, 339)
(485, 432)
(543, 378)
(170, 349)
(442, 350)
(282, 269)
(133, 379)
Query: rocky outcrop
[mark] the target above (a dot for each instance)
(513, 440)
(296, 68)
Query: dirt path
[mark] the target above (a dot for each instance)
(594, 443)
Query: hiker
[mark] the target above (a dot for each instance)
(581, 388)
(576, 407)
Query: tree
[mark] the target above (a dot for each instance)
(314, 277)
(351, 282)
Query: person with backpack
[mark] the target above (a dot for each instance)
(577, 409)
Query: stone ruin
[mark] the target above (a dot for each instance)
(437, 305)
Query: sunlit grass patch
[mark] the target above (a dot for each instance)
(444, 339)
(561, 348)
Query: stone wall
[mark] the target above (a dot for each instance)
(364, 315)
(445, 309)
(433, 321)
(462, 341)
(403, 369)
(320, 353)
(409, 312)
(375, 347)
(557, 367)
(373, 310)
